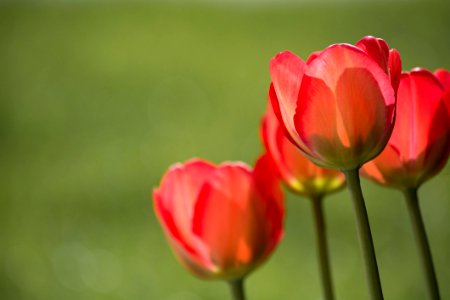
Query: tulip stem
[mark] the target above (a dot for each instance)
(365, 235)
(322, 248)
(237, 289)
(420, 235)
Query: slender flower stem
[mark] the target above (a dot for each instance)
(365, 236)
(237, 289)
(322, 248)
(412, 202)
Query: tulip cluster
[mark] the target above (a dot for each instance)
(346, 110)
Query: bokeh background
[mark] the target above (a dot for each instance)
(98, 98)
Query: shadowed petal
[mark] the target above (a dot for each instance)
(444, 78)
(297, 171)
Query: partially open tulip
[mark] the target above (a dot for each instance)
(420, 143)
(221, 221)
(298, 173)
(338, 107)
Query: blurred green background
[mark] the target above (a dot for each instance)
(98, 99)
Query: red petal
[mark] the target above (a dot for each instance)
(273, 138)
(286, 72)
(175, 199)
(377, 49)
(267, 179)
(421, 115)
(276, 122)
(387, 168)
(444, 78)
(313, 56)
(395, 68)
(270, 207)
(274, 106)
(227, 218)
(345, 108)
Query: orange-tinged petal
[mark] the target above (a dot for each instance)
(224, 219)
(389, 159)
(345, 108)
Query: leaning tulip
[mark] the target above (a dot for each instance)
(221, 221)
(338, 109)
(417, 150)
(306, 179)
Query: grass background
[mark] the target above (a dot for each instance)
(97, 100)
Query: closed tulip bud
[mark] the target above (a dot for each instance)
(221, 221)
(420, 143)
(338, 107)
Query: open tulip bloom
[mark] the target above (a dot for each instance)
(304, 178)
(417, 150)
(221, 221)
(338, 109)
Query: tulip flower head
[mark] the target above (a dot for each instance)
(420, 143)
(221, 221)
(298, 173)
(338, 107)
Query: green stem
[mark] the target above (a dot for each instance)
(322, 248)
(365, 236)
(412, 202)
(237, 289)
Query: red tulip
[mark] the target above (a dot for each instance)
(221, 221)
(420, 143)
(338, 107)
(298, 172)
